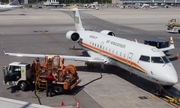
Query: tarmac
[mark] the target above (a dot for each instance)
(116, 87)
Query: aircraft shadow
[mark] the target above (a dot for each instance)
(168, 54)
(131, 78)
(173, 59)
(140, 82)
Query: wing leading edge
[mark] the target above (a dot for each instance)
(76, 58)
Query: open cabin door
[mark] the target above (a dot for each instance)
(130, 55)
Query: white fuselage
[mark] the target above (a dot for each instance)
(126, 54)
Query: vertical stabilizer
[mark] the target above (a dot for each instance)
(77, 20)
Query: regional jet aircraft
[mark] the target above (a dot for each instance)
(145, 61)
(14, 4)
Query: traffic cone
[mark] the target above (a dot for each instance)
(177, 55)
(78, 104)
(73, 47)
(62, 103)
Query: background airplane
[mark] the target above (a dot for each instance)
(14, 4)
(145, 61)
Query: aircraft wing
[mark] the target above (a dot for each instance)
(76, 58)
(170, 47)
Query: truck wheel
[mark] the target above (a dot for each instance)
(58, 89)
(23, 86)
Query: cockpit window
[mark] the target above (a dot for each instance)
(145, 58)
(156, 60)
(166, 60)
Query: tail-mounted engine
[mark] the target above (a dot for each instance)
(107, 32)
(72, 35)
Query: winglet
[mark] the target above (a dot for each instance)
(3, 48)
(171, 46)
(171, 42)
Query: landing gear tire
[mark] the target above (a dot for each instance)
(23, 86)
(159, 89)
(58, 89)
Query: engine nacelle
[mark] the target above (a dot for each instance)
(72, 35)
(107, 32)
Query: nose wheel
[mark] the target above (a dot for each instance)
(159, 89)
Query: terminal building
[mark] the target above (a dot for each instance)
(154, 2)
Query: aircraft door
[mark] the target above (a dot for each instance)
(130, 55)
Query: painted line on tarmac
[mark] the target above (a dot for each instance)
(166, 37)
(171, 102)
(62, 43)
(147, 97)
(41, 31)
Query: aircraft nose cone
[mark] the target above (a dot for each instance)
(172, 80)
(171, 77)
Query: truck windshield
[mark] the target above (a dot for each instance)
(13, 69)
(156, 60)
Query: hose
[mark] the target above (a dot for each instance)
(39, 101)
(167, 91)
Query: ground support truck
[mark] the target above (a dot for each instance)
(24, 74)
(173, 26)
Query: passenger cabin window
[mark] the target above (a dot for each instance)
(116, 52)
(106, 48)
(156, 60)
(145, 58)
(120, 53)
(113, 51)
(109, 49)
(95, 45)
(124, 55)
(98, 45)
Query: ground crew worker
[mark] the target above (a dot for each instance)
(49, 88)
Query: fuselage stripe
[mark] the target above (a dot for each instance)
(115, 56)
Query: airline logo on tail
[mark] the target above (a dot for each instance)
(77, 20)
(171, 41)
